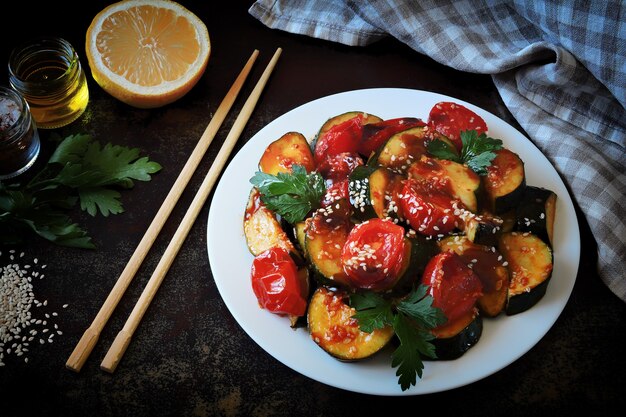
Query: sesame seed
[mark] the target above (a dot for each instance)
(18, 306)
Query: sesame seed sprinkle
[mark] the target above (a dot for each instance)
(19, 315)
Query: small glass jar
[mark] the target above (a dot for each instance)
(48, 74)
(19, 139)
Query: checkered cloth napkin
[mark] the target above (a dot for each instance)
(560, 69)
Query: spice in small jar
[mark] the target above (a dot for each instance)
(19, 139)
(48, 74)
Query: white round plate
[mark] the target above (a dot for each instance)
(504, 339)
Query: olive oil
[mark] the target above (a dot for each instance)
(48, 74)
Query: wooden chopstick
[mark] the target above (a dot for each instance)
(121, 342)
(88, 341)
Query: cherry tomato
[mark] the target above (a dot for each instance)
(429, 211)
(453, 285)
(450, 119)
(343, 137)
(373, 254)
(339, 166)
(276, 282)
(376, 134)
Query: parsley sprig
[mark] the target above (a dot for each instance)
(412, 317)
(476, 152)
(80, 171)
(293, 194)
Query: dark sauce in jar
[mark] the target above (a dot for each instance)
(19, 139)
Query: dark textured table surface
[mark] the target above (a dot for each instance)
(189, 356)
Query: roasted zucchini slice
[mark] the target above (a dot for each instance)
(530, 264)
(290, 149)
(299, 231)
(406, 147)
(325, 233)
(456, 179)
(452, 340)
(262, 229)
(333, 328)
(374, 192)
(401, 150)
(536, 212)
(505, 182)
(482, 229)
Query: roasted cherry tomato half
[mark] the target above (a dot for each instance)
(339, 166)
(429, 211)
(453, 285)
(277, 284)
(373, 254)
(343, 137)
(450, 119)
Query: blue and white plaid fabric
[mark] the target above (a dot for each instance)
(560, 68)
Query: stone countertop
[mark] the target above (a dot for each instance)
(189, 356)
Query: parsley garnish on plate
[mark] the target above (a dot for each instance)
(477, 151)
(412, 319)
(292, 195)
(79, 171)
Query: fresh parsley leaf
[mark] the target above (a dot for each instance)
(412, 319)
(407, 356)
(373, 311)
(479, 163)
(290, 194)
(101, 199)
(476, 152)
(420, 308)
(81, 171)
(443, 150)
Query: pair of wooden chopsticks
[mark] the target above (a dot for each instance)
(116, 351)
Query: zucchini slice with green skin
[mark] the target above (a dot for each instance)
(325, 234)
(262, 229)
(401, 149)
(290, 149)
(482, 229)
(530, 264)
(374, 192)
(359, 192)
(452, 340)
(333, 328)
(536, 212)
(456, 179)
(299, 231)
(487, 263)
(405, 147)
(505, 182)
(509, 221)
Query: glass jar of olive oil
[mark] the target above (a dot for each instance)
(48, 74)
